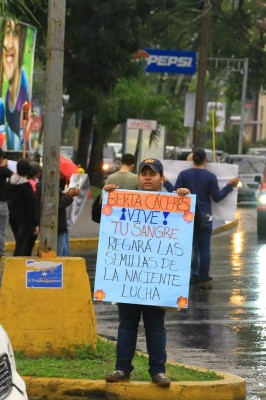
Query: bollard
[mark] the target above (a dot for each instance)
(46, 305)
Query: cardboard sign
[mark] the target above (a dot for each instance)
(145, 245)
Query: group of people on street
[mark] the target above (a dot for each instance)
(195, 180)
(20, 203)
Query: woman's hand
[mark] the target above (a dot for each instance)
(182, 191)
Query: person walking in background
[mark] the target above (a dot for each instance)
(35, 174)
(22, 209)
(65, 199)
(34, 177)
(204, 184)
(5, 174)
(124, 178)
(150, 178)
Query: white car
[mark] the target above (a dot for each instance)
(12, 386)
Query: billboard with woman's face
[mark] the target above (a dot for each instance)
(16, 71)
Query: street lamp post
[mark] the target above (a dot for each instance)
(25, 118)
(202, 67)
(236, 65)
(243, 100)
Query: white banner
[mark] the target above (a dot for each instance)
(225, 209)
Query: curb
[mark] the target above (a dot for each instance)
(230, 388)
(78, 244)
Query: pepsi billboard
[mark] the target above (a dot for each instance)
(168, 61)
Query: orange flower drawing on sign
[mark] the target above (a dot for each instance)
(99, 295)
(188, 216)
(182, 302)
(107, 209)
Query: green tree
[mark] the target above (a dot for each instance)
(100, 41)
(137, 98)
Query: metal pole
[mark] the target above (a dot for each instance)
(202, 66)
(25, 118)
(243, 101)
(52, 126)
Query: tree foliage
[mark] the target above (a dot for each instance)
(102, 36)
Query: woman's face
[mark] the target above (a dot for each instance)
(149, 179)
(11, 50)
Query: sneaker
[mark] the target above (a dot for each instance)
(161, 379)
(117, 376)
(205, 285)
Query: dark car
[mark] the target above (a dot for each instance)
(250, 172)
(110, 163)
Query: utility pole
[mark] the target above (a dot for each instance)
(52, 126)
(202, 67)
(243, 101)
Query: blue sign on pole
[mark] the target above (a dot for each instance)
(44, 274)
(168, 61)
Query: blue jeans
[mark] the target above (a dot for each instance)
(153, 318)
(66, 250)
(61, 241)
(201, 254)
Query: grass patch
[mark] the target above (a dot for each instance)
(96, 363)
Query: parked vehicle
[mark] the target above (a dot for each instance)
(181, 153)
(110, 163)
(250, 171)
(261, 209)
(117, 148)
(12, 386)
(257, 151)
(67, 151)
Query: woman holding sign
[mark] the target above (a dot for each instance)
(150, 178)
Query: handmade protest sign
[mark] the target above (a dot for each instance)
(145, 245)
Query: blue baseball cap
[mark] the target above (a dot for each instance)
(153, 163)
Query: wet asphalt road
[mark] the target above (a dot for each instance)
(224, 328)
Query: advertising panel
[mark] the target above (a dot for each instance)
(168, 61)
(17, 56)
